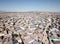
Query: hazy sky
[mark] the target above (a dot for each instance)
(30, 5)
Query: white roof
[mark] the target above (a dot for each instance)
(31, 41)
(19, 41)
(1, 34)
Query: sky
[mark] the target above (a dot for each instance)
(30, 5)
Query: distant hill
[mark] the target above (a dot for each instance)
(57, 14)
(1, 11)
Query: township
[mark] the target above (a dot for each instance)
(29, 28)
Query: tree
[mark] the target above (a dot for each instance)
(21, 38)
